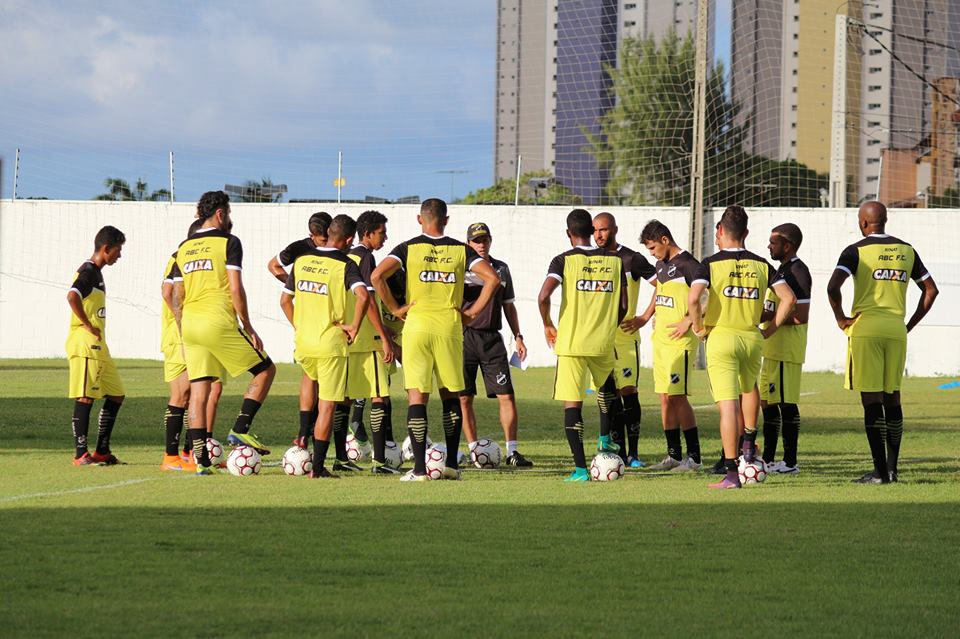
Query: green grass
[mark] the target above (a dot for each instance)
(131, 551)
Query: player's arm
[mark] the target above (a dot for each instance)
(286, 298)
(76, 305)
(238, 295)
(281, 261)
(639, 321)
(168, 293)
(543, 303)
(846, 266)
(482, 269)
(785, 306)
(276, 270)
(359, 309)
(366, 268)
(390, 265)
(930, 292)
(695, 307)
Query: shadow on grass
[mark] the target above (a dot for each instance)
(480, 570)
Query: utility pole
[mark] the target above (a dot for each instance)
(699, 141)
(171, 176)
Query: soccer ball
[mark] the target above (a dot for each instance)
(754, 472)
(214, 451)
(356, 451)
(436, 460)
(392, 455)
(408, 449)
(486, 454)
(606, 467)
(297, 461)
(243, 461)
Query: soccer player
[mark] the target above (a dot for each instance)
(315, 302)
(784, 352)
(175, 374)
(593, 303)
(208, 279)
(93, 374)
(279, 265)
(371, 353)
(483, 347)
(674, 347)
(625, 409)
(877, 346)
(736, 279)
(433, 334)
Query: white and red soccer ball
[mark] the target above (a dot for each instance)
(357, 452)
(486, 454)
(297, 461)
(407, 448)
(243, 461)
(392, 456)
(436, 459)
(214, 451)
(606, 467)
(754, 472)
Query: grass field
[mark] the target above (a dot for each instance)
(132, 551)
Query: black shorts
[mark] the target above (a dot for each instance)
(485, 349)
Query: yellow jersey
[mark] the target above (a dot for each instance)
(89, 285)
(637, 268)
(737, 281)
(202, 263)
(674, 277)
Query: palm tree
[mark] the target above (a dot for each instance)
(119, 190)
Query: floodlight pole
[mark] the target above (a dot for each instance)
(838, 127)
(699, 141)
(16, 173)
(171, 176)
(339, 174)
(516, 195)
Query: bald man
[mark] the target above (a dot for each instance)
(880, 266)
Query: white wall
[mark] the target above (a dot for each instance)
(42, 243)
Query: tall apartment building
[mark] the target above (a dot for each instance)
(551, 79)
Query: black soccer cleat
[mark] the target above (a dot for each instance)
(346, 466)
(323, 473)
(873, 477)
(518, 460)
(718, 468)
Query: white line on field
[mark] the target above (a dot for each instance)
(714, 405)
(88, 489)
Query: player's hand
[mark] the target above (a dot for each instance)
(467, 317)
(93, 330)
(680, 328)
(521, 349)
(387, 352)
(350, 330)
(633, 325)
(401, 313)
(550, 332)
(845, 322)
(768, 330)
(257, 342)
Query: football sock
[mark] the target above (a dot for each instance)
(606, 395)
(749, 445)
(692, 438)
(388, 421)
(356, 420)
(173, 423)
(631, 417)
(894, 419)
(185, 440)
(108, 417)
(320, 449)
(511, 447)
(771, 431)
(618, 429)
(673, 443)
(417, 430)
(874, 424)
(341, 414)
(791, 432)
(731, 467)
(199, 437)
(307, 421)
(81, 426)
(452, 427)
(573, 426)
(376, 428)
(248, 410)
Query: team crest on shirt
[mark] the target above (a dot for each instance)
(595, 286)
(443, 277)
(671, 270)
(674, 378)
(627, 372)
(665, 301)
(319, 288)
(742, 292)
(198, 265)
(890, 275)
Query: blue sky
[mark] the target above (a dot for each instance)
(251, 89)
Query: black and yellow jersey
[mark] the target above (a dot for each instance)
(319, 283)
(789, 343)
(202, 263)
(89, 285)
(435, 269)
(881, 267)
(637, 268)
(674, 277)
(491, 317)
(289, 255)
(367, 337)
(737, 280)
(593, 300)
(169, 331)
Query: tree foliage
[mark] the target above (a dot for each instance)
(504, 191)
(119, 190)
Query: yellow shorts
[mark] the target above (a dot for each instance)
(367, 376)
(426, 355)
(94, 378)
(210, 350)
(671, 370)
(626, 366)
(733, 362)
(330, 374)
(780, 381)
(875, 364)
(571, 380)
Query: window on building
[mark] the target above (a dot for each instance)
(630, 23)
(873, 123)
(874, 87)
(876, 16)
(873, 160)
(876, 51)
(873, 105)
(873, 142)
(872, 178)
(630, 5)
(875, 69)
